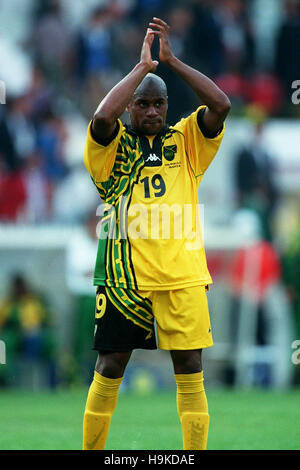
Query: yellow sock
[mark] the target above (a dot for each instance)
(193, 410)
(100, 405)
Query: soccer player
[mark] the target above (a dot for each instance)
(144, 270)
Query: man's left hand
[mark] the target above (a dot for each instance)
(162, 31)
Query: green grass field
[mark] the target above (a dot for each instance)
(240, 420)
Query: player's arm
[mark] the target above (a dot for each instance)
(115, 102)
(218, 104)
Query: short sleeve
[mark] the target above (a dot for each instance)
(99, 159)
(200, 148)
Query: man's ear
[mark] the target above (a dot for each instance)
(127, 108)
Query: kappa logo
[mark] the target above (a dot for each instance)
(153, 158)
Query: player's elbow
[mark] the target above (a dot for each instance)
(226, 105)
(223, 106)
(103, 119)
(103, 124)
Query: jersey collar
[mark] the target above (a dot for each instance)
(132, 131)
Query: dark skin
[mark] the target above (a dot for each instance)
(113, 364)
(148, 109)
(144, 96)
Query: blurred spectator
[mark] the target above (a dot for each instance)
(204, 46)
(265, 262)
(12, 193)
(180, 20)
(27, 330)
(31, 156)
(287, 47)
(237, 35)
(40, 95)
(94, 57)
(144, 10)
(74, 64)
(264, 90)
(50, 42)
(261, 323)
(21, 125)
(236, 87)
(254, 180)
(126, 53)
(94, 44)
(51, 135)
(237, 58)
(37, 207)
(260, 89)
(8, 153)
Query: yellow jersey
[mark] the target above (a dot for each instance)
(150, 232)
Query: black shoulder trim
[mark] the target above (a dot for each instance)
(130, 130)
(109, 139)
(206, 132)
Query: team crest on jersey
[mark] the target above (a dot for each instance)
(169, 152)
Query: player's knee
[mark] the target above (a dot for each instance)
(186, 362)
(112, 365)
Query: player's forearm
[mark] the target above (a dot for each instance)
(206, 90)
(115, 102)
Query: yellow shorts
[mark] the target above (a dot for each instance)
(127, 319)
(182, 318)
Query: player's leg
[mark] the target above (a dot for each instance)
(187, 362)
(191, 399)
(185, 330)
(112, 364)
(115, 337)
(102, 398)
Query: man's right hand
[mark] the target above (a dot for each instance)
(146, 56)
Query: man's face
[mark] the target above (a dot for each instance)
(148, 112)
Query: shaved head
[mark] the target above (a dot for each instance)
(151, 85)
(148, 105)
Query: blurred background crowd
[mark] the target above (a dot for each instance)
(62, 62)
(60, 57)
